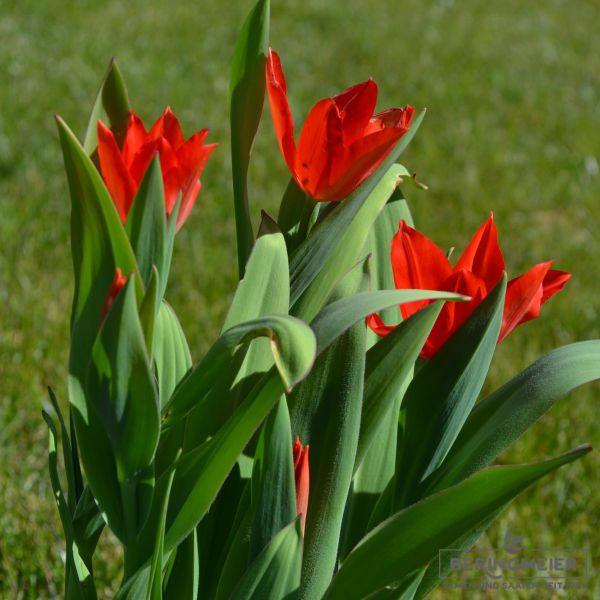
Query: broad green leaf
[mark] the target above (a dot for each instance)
(265, 287)
(264, 290)
(292, 345)
(202, 472)
(388, 370)
(149, 309)
(273, 487)
(147, 227)
(99, 245)
(442, 394)
(111, 107)
(496, 422)
(325, 412)
(411, 538)
(335, 244)
(246, 94)
(389, 363)
(276, 571)
(120, 387)
(172, 357)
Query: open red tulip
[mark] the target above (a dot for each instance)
(417, 263)
(301, 476)
(342, 141)
(181, 162)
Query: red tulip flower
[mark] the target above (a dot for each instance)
(181, 162)
(417, 263)
(341, 143)
(301, 477)
(119, 280)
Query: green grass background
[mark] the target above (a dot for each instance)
(513, 91)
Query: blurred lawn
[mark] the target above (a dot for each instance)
(513, 91)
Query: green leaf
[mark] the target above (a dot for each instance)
(202, 472)
(155, 581)
(388, 371)
(247, 91)
(111, 107)
(236, 562)
(172, 357)
(120, 386)
(340, 315)
(325, 412)
(149, 309)
(389, 363)
(264, 290)
(147, 227)
(442, 394)
(496, 422)
(273, 487)
(335, 244)
(378, 245)
(79, 581)
(99, 245)
(411, 538)
(276, 572)
(295, 212)
(292, 345)
(184, 578)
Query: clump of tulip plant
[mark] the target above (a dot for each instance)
(332, 440)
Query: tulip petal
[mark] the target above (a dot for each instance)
(167, 126)
(417, 263)
(280, 109)
(553, 283)
(301, 478)
(375, 322)
(483, 255)
(524, 297)
(135, 137)
(320, 142)
(454, 314)
(192, 159)
(119, 183)
(398, 118)
(354, 164)
(356, 104)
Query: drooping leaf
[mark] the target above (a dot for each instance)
(411, 538)
(293, 347)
